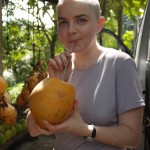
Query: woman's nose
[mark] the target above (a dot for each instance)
(72, 28)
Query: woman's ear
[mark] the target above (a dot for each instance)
(101, 21)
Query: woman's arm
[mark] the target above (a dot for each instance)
(127, 133)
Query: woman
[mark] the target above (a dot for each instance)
(108, 112)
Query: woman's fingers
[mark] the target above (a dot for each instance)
(53, 63)
(44, 131)
(63, 59)
(59, 61)
(32, 126)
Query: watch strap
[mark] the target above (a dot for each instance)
(93, 134)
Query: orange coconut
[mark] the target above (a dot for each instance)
(52, 100)
(3, 85)
(8, 113)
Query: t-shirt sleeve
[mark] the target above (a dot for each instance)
(128, 88)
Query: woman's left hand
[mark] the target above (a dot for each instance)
(74, 124)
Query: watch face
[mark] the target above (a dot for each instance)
(89, 138)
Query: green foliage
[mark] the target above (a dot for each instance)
(128, 38)
(109, 41)
(14, 91)
(132, 8)
(20, 53)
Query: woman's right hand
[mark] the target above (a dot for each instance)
(57, 65)
(32, 126)
(34, 129)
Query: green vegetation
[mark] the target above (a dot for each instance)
(14, 91)
(8, 132)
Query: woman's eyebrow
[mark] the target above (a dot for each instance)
(78, 16)
(81, 15)
(61, 18)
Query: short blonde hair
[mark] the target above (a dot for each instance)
(94, 5)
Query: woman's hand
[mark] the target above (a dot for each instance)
(69, 125)
(57, 65)
(34, 129)
(74, 124)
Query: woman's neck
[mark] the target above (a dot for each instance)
(86, 59)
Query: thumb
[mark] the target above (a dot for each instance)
(75, 108)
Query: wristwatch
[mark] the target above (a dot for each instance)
(93, 134)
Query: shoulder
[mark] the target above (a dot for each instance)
(116, 54)
(117, 59)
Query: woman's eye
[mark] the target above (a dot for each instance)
(81, 21)
(62, 23)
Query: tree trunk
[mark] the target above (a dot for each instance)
(120, 20)
(1, 51)
(53, 41)
(102, 14)
(104, 8)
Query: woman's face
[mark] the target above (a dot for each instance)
(78, 24)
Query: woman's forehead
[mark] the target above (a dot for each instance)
(68, 2)
(63, 1)
(91, 6)
(82, 1)
(73, 9)
(73, 5)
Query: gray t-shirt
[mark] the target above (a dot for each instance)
(107, 89)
